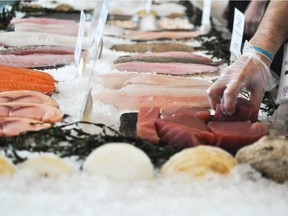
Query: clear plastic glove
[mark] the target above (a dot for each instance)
(249, 73)
(253, 16)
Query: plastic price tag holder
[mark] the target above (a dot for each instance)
(237, 35)
(206, 12)
(148, 6)
(78, 59)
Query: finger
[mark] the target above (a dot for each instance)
(215, 93)
(230, 98)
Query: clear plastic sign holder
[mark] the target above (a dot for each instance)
(206, 13)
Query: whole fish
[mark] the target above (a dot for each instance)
(152, 47)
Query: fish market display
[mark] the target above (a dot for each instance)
(165, 57)
(38, 39)
(199, 161)
(14, 78)
(166, 68)
(156, 35)
(37, 60)
(153, 47)
(120, 162)
(134, 96)
(26, 96)
(40, 112)
(119, 79)
(11, 126)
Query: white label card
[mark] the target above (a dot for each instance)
(81, 31)
(237, 33)
(148, 6)
(206, 12)
(101, 22)
(283, 84)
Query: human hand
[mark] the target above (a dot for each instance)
(250, 72)
(253, 16)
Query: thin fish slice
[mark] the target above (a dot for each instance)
(152, 47)
(10, 126)
(119, 80)
(26, 50)
(27, 96)
(135, 96)
(39, 112)
(165, 68)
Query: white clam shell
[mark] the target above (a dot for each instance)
(197, 161)
(119, 161)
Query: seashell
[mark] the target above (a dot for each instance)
(47, 166)
(6, 166)
(197, 161)
(269, 156)
(119, 161)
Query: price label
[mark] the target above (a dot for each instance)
(206, 12)
(81, 31)
(237, 33)
(282, 95)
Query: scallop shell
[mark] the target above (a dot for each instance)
(119, 161)
(6, 167)
(197, 161)
(48, 166)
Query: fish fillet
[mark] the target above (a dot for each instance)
(43, 21)
(165, 68)
(135, 96)
(26, 50)
(39, 112)
(11, 126)
(119, 80)
(27, 97)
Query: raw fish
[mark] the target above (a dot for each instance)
(26, 50)
(119, 80)
(135, 96)
(27, 97)
(165, 68)
(176, 57)
(10, 126)
(39, 112)
(42, 21)
(152, 47)
(145, 127)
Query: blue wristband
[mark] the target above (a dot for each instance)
(264, 53)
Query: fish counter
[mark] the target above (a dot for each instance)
(129, 129)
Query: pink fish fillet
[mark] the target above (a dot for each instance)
(39, 112)
(43, 21)
(37, 49)
(155, 35)
(165, 68)
(36, 60)
(232, 136)
(145, 127)
(118, 80)
(10, 126)
(135, 96)
(27, 96)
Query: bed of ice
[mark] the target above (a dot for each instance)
(242, 193)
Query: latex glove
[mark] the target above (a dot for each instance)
(253, 16)
(249, 73)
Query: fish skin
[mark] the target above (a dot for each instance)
(165, 57)
(165, 68)
(39, 112)
(134, 96)
(43, 21)
(27, 96)
(10, 126)
(26, 50)
(152, 47)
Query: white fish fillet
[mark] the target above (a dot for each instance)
(27, 97)
(38, 39)
(135, 96)
(165, 68)
(42, 21)
(36, 60)
(39, 112)
(119, 80)
(10, 126)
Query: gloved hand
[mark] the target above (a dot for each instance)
(249, 72)
(253, 15)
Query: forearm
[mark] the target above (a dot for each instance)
(273, 30)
